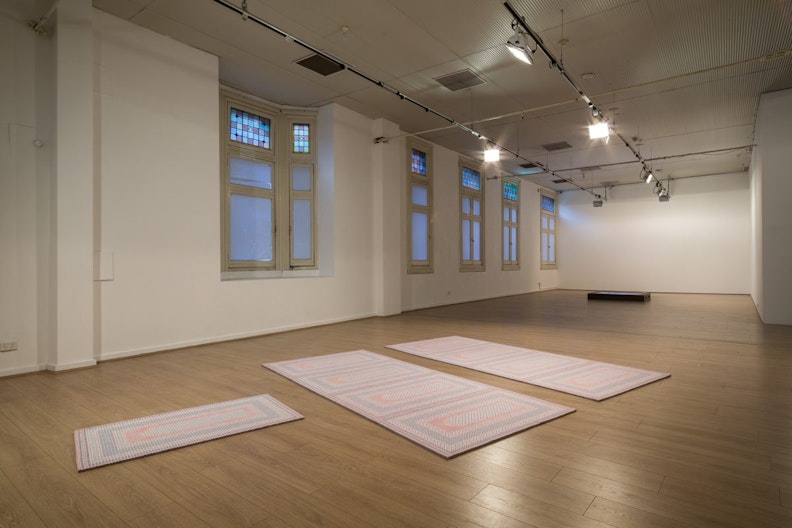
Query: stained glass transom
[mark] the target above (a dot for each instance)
(510, 191)
(418, 162)
(302, 138)
(471, 179)
(548, 204)
(250, 129)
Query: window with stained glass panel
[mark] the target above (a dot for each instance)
(419, 214)
(471, 218)
(548, 220)
(511, 224)
(268, 221)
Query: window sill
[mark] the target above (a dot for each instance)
(274, 274)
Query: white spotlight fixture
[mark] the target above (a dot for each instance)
(519, 47)
(597, 201)
(663, 196)
(599, 130)
(491, 154)
(649, 177)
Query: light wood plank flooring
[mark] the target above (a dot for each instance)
(709, 447)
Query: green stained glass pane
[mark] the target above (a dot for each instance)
(510, 191)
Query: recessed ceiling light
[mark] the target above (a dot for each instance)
(588, 75)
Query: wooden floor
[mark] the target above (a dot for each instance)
(711, 446)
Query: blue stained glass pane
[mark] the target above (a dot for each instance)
(302, 138)
(548, 204)
(418, 165)
(471, 179)
(250, 129)
(510, 191)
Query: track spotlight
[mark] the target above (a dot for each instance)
(518, 46)
(663, 196)
(599, 130)
(649, 177)
(492, 153)
(597, 202)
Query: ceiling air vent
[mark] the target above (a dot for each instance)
(560, 145)
(321, 65)
(460, 80)
(560, 180)
(530, 168)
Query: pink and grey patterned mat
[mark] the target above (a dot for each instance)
(107, 444)
(590, 379)
(443, 413)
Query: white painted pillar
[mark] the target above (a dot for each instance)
(73, 183)
(388, 213)
(772, 281)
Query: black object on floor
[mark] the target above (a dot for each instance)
(619, 296)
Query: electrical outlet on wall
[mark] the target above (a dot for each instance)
(8, 346)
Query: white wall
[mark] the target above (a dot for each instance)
(447, 284)
(698, 242)
(160, 207)
(23, 183)
(772, 218)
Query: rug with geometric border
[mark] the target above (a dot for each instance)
(594, 380)
(446, 414)
(107, 444)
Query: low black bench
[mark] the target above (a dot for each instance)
(619, 296)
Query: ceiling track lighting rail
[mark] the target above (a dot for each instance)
(554, 63)
(246, 15)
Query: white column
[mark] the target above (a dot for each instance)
(773, 220)
(73, 183)
(387, 221)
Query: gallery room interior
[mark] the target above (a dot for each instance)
(383, 221)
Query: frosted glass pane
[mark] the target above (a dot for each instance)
(544, 222)
(505, 243)
(251, 173)
(544, 247)
(301, 178)
(302, 248)
(477, 207)
(465, 239)
(477, 241)
(251, 228)
(465, 205)
(506, 214)
(551, 249)
(552, 223)
(514, 244)
(420, 236)
(420, 195)
(514, 214)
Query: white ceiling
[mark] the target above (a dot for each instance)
(679, 79)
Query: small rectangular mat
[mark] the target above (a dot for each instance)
(443, 413)
(107, 444)
(594, 380)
